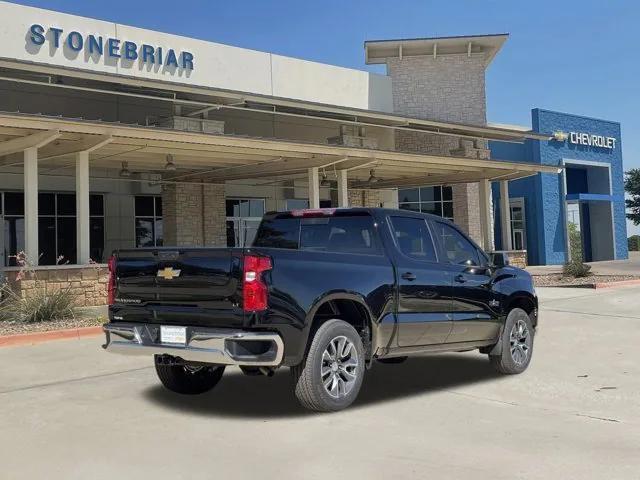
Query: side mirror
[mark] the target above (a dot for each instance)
(499, 259)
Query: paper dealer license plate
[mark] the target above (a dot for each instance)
(176, 335)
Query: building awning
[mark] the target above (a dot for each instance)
(195, 101)
(217, 158)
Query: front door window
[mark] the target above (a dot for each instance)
(518, 228)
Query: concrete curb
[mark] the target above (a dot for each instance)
(40, 337)
(621, 283)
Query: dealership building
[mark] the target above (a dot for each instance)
(113, 136)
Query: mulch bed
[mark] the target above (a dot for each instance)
(558, 280)
(15, 328)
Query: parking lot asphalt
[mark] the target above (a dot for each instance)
(68, 410)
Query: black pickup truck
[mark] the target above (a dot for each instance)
(325, 292)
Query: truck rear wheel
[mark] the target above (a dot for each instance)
(517, 344)
(189, 380)
(330, 376)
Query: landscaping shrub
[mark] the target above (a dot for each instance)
(634, 243)
(576, 269)
(37, 305)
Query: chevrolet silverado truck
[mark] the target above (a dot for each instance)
(325, 292)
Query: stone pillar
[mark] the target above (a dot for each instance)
(182, 215)
(449, 88)
(215, 216)
(194, 215)
(365, 198)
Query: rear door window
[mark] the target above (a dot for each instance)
(339, 234)
(413, 238)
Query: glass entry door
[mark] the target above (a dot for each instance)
(243, 218)
(518, 228)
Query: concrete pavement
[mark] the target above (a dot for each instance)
(72, 411)
(630, 266)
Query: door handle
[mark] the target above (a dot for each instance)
(408, 276)
(460, 278)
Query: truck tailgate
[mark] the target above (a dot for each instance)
(179, 286)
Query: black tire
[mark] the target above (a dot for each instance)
(189, 380)
(393, 360)
(511, 360)
(308, 379)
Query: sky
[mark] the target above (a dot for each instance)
(580, 57)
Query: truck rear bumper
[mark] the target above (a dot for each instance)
(206, 345)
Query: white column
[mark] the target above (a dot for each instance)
(314, 188)
(505, 215)
(31, 205)
(343, 189)
(82, 208)
(485, 215)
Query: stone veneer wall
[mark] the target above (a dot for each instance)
(448, 88)
(194, 215)
(88, 283)
(364, 198)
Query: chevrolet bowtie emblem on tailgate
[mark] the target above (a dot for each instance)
(168, 273)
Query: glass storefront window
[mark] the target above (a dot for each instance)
(434, 200)
(56, 227)
(148, 221)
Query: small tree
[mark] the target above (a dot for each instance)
(575, 242)
(632, 187)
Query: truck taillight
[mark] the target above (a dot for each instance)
(254, 289)
(111, 285)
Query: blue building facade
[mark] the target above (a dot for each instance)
(588, 194)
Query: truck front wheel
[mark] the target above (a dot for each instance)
(188, 380)
(330, 376)
(517, 344)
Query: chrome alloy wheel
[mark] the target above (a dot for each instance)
(339, 367)
(520, 342)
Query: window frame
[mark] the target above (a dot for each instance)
(55, 216)
(153, 218)
(399, 250)
(420, 201)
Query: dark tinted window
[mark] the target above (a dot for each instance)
(13, 203)
(275, 233)
(339, 234)
(46, 204)
(349, 234)
(66, 203)
(456, 248)
(96, 206)
(413, 238)
(144, 207)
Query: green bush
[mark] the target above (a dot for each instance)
(634, 243)
(575, 242)
(37, 305)
(576, 269)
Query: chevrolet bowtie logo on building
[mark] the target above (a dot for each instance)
(168, 273)
(560, 136)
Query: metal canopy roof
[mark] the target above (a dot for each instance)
(377, 51)
(199, 99)
(218, 158)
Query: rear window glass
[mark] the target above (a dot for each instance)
(348, 234)
(339, 234)
(278, 233)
